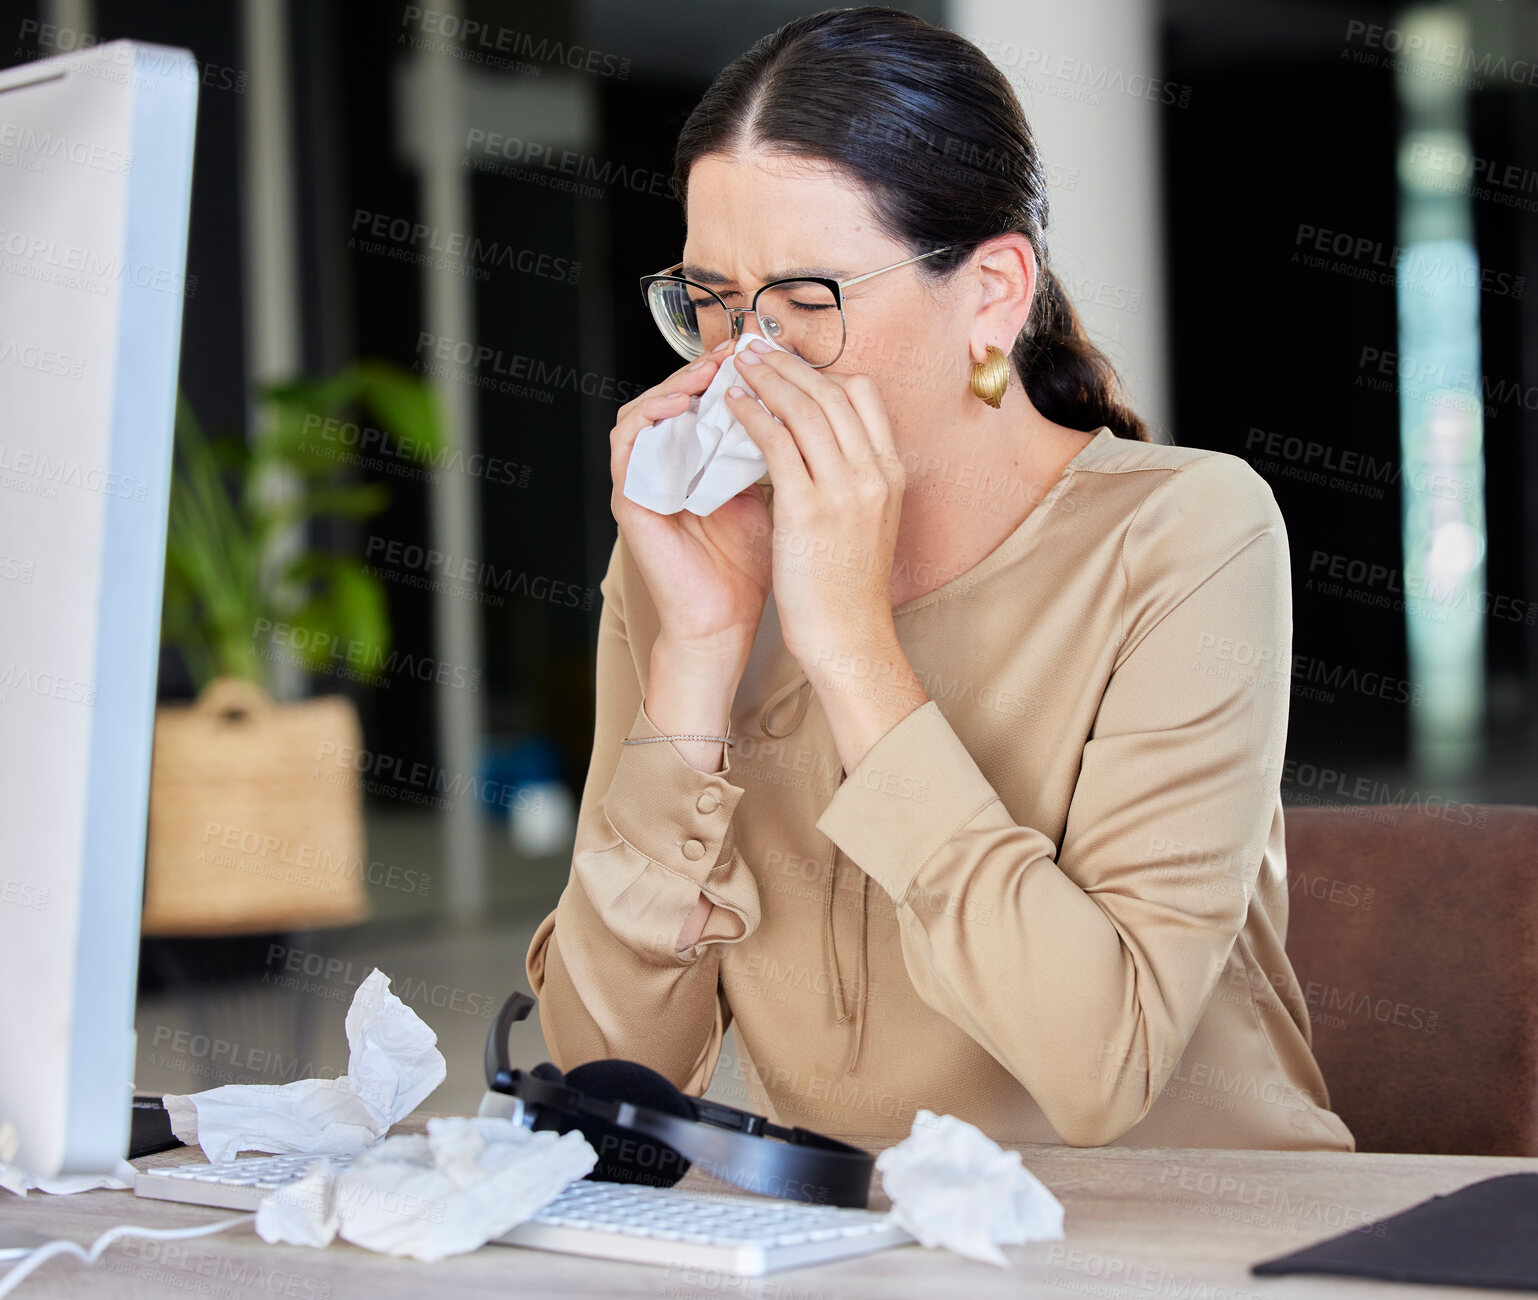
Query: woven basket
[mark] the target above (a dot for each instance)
(244, 834)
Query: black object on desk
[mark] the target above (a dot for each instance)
(1485, 1234)
(647, 1131)
(150, 1128)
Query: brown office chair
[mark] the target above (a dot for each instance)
(1414, 935)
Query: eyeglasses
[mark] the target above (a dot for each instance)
(804, 316)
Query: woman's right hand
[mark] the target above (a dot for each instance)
(709, 576)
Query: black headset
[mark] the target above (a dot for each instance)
(646, 1131)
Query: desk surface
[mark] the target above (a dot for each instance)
(1139, 1223)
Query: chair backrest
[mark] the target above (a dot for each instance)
(1414, 934)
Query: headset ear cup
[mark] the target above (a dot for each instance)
(545, 1119)
(623, 1155)
(632, 1082)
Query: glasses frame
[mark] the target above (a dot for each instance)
(735, 315)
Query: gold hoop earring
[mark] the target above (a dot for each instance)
(991, 377)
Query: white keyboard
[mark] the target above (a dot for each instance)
(740, 1234)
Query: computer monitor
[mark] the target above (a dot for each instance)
(95, 187)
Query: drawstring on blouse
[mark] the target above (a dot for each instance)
(802, 689)
(799, 691)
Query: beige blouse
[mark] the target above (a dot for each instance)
(1051, 901)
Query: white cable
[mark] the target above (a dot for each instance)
(35, 1259)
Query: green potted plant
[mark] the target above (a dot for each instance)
(254, 825)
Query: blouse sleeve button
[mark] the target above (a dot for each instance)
(693, 850)
(708, 802)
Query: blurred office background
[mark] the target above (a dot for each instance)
(1305, 231)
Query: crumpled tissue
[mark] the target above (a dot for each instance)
(465, 1182)
(393, 1066)
(701, 458)
(16, 1179)
(952, 1186)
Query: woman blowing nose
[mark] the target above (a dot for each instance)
(919, 763)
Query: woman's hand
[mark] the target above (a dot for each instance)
(838, 485)
(708, 577)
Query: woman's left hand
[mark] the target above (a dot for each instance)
(838, 486)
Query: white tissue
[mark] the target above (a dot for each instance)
(16, 1179)
(467, 1181)
(952, 1186)
(394, 1065)
(703, 442)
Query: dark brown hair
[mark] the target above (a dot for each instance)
(936, 136)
